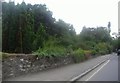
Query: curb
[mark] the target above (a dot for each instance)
(86, 72)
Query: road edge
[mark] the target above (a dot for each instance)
(86, 72)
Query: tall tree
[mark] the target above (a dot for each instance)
(109, 25)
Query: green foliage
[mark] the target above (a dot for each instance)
(99, 34)
(0, 55)
(79, 55)
(98, 40)
(39, 37)
(30, 28)
(102, 48)
(94, 52)
(27, 27)
(51, 49)
(4, 55)
(87, 45)
(118, 43)
(115, 44)
(88, 53)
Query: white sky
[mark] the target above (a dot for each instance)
(89, 13)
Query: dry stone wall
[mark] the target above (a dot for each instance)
(18, 64)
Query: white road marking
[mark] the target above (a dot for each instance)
(97, 70)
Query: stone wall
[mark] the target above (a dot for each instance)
(18, 64)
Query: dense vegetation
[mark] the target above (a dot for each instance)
(30, 28)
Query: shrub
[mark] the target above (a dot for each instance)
(79, 55)
(51, 48)
(94, 52)
(51, 51)
(88, 53)
(109, 48)
(102, 52)
(102, 48)
(0, 55)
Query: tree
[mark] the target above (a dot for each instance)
(27, 28)
(89, 37)
(109, 25)
(39, 37)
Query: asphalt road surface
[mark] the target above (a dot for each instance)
(108, 71)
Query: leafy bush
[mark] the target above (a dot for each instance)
(110, 48)
(102, 48)
(102, 52)
(51, 49)
(79, 55)
(0, 55)
(4, 55)
(88, 53)
(94, 52)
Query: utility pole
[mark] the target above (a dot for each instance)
(119, 25)
(119, 18)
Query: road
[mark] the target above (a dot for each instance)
(108, 71)
(68, 72)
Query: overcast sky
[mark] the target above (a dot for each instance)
(89, 13)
